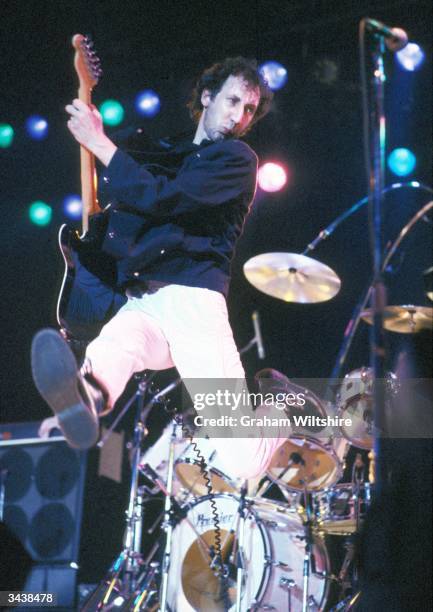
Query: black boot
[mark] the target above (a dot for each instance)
(74, 400)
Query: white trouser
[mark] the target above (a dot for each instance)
(180, 326)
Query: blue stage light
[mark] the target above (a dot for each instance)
(73, 206)
(401, 161)
(40, 213)
(275, 74)
(37, 127)
(148, 103)
(112, 112)
(410, 57)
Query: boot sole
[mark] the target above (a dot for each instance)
(54, 371)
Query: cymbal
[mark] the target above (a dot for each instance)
(406, 319)
(292, 277)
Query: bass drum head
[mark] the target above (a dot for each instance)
(273, 551)
(305, 463)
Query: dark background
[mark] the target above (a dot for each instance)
(315, 129)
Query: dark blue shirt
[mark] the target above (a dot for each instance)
(179, 226)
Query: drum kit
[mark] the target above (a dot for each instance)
(217, 526)
(228, 544)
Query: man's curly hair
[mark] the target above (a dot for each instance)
(214, 78)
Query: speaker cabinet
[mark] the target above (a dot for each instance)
(41, 498)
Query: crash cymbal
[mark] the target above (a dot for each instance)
(406, 319)
(292, 278)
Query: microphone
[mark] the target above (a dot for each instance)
(395, 38)
(258, 335)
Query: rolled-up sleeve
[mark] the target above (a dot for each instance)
(213, 176)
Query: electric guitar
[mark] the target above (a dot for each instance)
(87, 297)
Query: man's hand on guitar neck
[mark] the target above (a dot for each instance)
(85, 124)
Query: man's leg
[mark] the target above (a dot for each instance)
(132, 341)
(195, 322)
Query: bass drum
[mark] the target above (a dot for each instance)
(273, 558)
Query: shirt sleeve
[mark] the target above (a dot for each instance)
(214, 176)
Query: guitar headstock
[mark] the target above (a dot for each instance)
(86, 62)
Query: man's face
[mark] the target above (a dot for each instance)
(231, 111)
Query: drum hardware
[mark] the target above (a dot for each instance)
(257, 338)
(309, 559)
(288, 583)
(352, 326)
(129, 570)
(142, 596)
(168, 521)
(329, 230)
(240, 556)
(292, 277)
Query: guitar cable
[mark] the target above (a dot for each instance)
(217, 562)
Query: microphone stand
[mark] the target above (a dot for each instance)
(329, 230)
(376, 168)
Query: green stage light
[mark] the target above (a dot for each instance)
(6, 135)
(112, 112)
(40, 213)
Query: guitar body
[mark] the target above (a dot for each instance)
(88, 297)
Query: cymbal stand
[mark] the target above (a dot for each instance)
(168, 521)
(240, 555)
(349, 544)
(309, 560)
(123, 573)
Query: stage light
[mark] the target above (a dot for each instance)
(112, 112)
(40, 213)
(148, 103)
(275, 74)
(6, 135)
(37, 127)
(73, 206)
(410, 57)
(118, 601)
(401, 161)
(271, 177)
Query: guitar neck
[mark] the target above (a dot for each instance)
(88, 173)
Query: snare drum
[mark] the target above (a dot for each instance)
(340, 510)
(305, 463)
(190, 475)
(273, 559)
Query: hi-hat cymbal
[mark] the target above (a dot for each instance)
(406, 319)
(292, 278)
